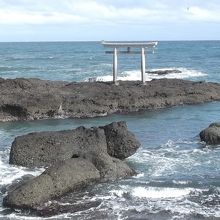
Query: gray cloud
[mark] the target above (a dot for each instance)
(91, 11)
(102, 19)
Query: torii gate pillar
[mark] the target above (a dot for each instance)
(143, 67)
(115, 66)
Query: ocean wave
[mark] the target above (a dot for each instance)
(18, 216)
(181, 158)
(181, 182)
(150, 192)
(10, 173)
(139, 175)
(7, 68)
(157, 192)
(21, 58)
(135, 75)
(15, 69)
(179, 202)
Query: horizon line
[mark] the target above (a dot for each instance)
(96, 41)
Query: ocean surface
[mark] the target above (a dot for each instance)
(178, 176)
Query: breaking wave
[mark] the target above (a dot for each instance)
(181, 73)
(10, 173)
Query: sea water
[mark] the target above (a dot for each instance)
(178, 176)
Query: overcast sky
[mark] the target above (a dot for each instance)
(58, 20)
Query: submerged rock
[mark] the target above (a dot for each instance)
(75, 159)
(30, 99)
(211, 135)
(56, 209)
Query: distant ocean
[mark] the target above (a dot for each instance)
(178, 178)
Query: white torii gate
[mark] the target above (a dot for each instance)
(128, 44)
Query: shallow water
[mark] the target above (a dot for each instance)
(178, 178)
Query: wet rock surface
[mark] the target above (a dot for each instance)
(29, 99)
(75, 159)
(211, 135)
(57, 180)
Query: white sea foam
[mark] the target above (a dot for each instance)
(10, 173)
(153, 199)
(139, 175)
(181, 182)
(176, 158)
(136, 75)
(157, 193)
(117, 193)
(151, 192)
(15, 216)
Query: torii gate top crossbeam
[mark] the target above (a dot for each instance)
(137, 44)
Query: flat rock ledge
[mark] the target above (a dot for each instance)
(30, 99)
(211, 135)
(73, 159)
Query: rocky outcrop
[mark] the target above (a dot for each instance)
(66, 175)
(121, 143)
(46, 148)
(29, 99)
(75, 158)
(211, 135)
(164, 72)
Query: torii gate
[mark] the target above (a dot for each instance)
(128, 44)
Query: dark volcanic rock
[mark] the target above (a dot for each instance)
(75, 158)
(163, 72)
(211, 135)
(46, 148)
(121, 143)
(59, 179)
(28, 99)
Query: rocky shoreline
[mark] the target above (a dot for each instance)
(75, 159)
(31, 99)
